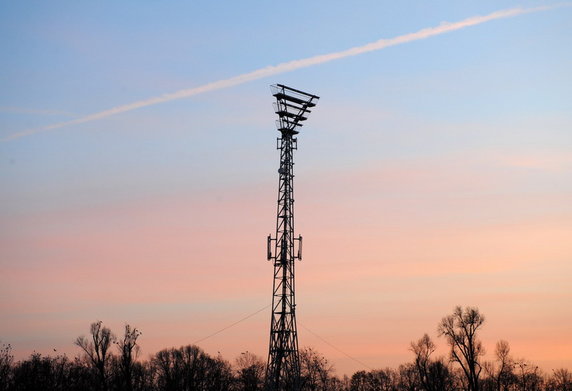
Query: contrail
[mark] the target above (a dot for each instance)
(289, 66)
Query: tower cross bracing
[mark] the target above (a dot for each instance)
(283, 370)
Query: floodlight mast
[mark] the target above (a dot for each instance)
(283, 369)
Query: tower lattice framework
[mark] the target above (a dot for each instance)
(283, 369)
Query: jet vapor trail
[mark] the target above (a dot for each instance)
(289, 66)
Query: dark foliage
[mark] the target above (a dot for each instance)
(189, 368)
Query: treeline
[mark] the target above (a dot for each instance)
(108, 363)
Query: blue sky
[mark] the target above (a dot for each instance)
(465, 133)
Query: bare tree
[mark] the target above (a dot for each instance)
(529, 377)
(561, 380)
(6, 361)
(189, 368)
(97, 349)
(433, 375)
(408, 377)
(128, 350)
(460, 329)
(249, 372)
(315, 370)
(339, 384)
(440, 376)
(504, 376)
(375, 380)
(360, 381)
(423, 349)
(500, 373)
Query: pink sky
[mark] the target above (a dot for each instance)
(433, 173)
(377, 272)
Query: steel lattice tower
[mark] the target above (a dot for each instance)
(283, 370)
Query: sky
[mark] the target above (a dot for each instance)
(139, 173)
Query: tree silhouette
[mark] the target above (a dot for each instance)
(561, 381)
(423, 349)
(315, 370)
(250, 371)
(528, 376)
(6, 361)
(97, 349)
(189, 368)
(128, 351)
(460, 329)
(501, 374)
